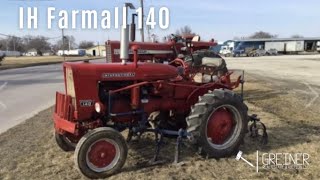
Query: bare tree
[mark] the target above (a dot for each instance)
(3, 44)
(69, 41)
(186, 30)
(262, 35)
(12, 43)
(86, 44)
(183, 31)
(296, 36)
(236, 38)
(40, 43)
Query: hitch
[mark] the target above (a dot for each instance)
(258, 129)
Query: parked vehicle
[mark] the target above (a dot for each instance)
(246, 48)
(272, 52)
(76, 52)
(226, 51)
(227, 48)
(257, 52)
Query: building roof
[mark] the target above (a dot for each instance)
(32, 50)
(95, 47)
(282, 39)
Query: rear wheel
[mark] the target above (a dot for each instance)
(101, 153)
(218, 123)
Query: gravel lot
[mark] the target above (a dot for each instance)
(28, 151)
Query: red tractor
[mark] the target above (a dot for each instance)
(176, 89)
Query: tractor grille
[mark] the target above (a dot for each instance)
(63, 106)
(108, 53)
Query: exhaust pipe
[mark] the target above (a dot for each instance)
(124, 46)
(133, 28)
(124, 42)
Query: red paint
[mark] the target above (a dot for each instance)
(220, 125)
(135, 98)
(112, 46)
(86, 76)
(65, 125)
(171, 47)
(102, 153)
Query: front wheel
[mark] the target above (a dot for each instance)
(218, 123)
(101, 153)
(66, 141)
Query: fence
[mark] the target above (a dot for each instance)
(10, 53)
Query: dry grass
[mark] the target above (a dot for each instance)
(28, 151)
(23, 61)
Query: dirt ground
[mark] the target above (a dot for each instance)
(28, 151)
(23, 61)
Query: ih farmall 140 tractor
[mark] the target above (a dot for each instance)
(177, 89)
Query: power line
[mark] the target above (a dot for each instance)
(47, 38)
(4, 35)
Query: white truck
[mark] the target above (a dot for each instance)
(227, 49)
(76, 52)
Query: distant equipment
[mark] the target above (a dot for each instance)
(76, 52)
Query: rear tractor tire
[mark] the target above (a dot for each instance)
(101, 153)
(218, 123)
(64, 142)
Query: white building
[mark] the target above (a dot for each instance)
(97, 51)
(32, 52)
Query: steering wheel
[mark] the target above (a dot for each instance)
(175, 37)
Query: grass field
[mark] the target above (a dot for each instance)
(23, 61)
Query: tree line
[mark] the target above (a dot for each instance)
(41, 44)
(265, 35)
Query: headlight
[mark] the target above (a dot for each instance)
(98, 106)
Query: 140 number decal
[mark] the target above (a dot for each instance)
(163, 14)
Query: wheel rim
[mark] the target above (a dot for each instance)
(223, 127)
(103, 155)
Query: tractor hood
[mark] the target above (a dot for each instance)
(120, 72)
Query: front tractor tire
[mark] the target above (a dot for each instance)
(64, 142)
(218, 123)
(101, 153)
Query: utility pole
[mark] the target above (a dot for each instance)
(142, 29)
(149, 35)
(64, 57)
(99, 48)
(14, 43)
